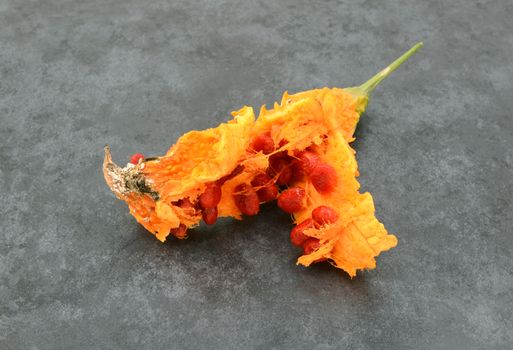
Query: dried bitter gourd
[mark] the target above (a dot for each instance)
(298, 153)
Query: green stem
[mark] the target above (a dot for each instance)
(367, 87)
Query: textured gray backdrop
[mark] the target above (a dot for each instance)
(435, 148)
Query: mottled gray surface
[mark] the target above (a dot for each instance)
(435, 148)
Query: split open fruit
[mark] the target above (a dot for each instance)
(298, 153)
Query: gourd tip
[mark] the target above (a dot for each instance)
(113, 173)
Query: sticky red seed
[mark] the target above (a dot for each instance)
(281, 165)
(209, 216)
(263, 142)
(276, 162)
(324, 215)
(211, 197)
(285, 175)
(310, 245)
(267, 193)
(261, 180)
(246, 199)
(291, 200)
(264, 185)
(324, 178)
(297, 172)
(180, 231)
(297, 234)
(308, 160)
(134, 159)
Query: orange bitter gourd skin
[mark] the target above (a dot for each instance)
(163, 193)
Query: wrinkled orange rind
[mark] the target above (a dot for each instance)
(322, 119)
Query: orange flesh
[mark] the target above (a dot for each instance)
(324, 120)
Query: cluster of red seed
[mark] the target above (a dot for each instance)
(206, 204)
(283, 171)
(321, 216)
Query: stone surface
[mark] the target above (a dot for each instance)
(435, 148)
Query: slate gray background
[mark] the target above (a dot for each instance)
(435, 148)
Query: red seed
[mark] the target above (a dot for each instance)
(291, 200)
(246, 199)
(310, 245)
(134, 159)
(180, 231)
(211, 197)
(324, 215)
(266, 190)
(324, 178)
(261, 180)
(308, 160)
(285, 176)
(297, 172)
(267, 193)
(297, 235)
(263, 142)
(280, 165)
(209, 216)
(276, 162)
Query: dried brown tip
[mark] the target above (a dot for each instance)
(114, 175)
